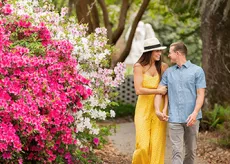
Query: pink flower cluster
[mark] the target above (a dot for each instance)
(40, 88)
(6, 9)
(110, 78)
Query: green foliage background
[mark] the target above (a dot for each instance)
(171, 26)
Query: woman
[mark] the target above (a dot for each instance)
(150, 131)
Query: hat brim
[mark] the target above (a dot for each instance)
(158, 48)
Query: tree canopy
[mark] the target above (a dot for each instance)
(195, 22)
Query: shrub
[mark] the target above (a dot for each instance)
(124, 109)
(219, 120)
(46, 113)
(216, 117)
(40, 88)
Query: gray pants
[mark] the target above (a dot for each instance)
(181, 135)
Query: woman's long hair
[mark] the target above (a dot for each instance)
(145, 59)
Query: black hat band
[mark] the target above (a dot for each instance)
(150, 47)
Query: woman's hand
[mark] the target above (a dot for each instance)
(166, 117)
(162, 116)
(159, 115)
(162, 90)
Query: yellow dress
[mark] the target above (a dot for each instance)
(150, 131)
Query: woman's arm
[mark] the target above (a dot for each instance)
(157, 102)
(165, 108)
(138, 80)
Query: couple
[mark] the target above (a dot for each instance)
(185, 86)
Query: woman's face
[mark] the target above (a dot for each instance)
(156, 55)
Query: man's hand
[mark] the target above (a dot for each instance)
(191, 120)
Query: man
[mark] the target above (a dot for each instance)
(186, 88)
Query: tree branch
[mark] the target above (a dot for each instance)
(126, 51)
(71, 3)
(121, 25)
(82, 13)
(106, 19)
(95, 16)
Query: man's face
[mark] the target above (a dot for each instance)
(172, 55)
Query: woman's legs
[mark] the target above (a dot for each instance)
(141, 154)
(157, 141)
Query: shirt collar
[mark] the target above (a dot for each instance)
(186, 65)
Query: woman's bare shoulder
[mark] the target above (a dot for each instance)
(137, 65)
(164, 66)
(137, 68)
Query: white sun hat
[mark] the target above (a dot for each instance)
(152, 44)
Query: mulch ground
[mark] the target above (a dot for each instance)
(110, 155)
(210, 151)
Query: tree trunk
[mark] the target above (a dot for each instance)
(82, 9)
(70, 5)
(121, 25)
(215, 35)
(107, 23)
(94, 16)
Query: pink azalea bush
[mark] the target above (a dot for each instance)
(40, 89)
(45, 45)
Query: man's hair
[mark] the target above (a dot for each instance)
(179, 46)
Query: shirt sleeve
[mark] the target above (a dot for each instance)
(164, 79)
(200, 79)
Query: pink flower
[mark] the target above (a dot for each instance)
(20, 161)
(6, 155)
(7, 9)
(96, 141)
(24, 23)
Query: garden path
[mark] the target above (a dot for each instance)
(124, 141)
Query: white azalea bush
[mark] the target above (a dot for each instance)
(93, 55)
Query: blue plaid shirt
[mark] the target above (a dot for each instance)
(182, 86)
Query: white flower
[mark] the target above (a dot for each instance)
(95, 131)
(35, 3)
(64, 11)
(107, 52)
(94, 114)
(103, 105)
(112, 113)
(87, 123)
(80, 126)
(101, 56)
(102, 115)
(84, 41)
